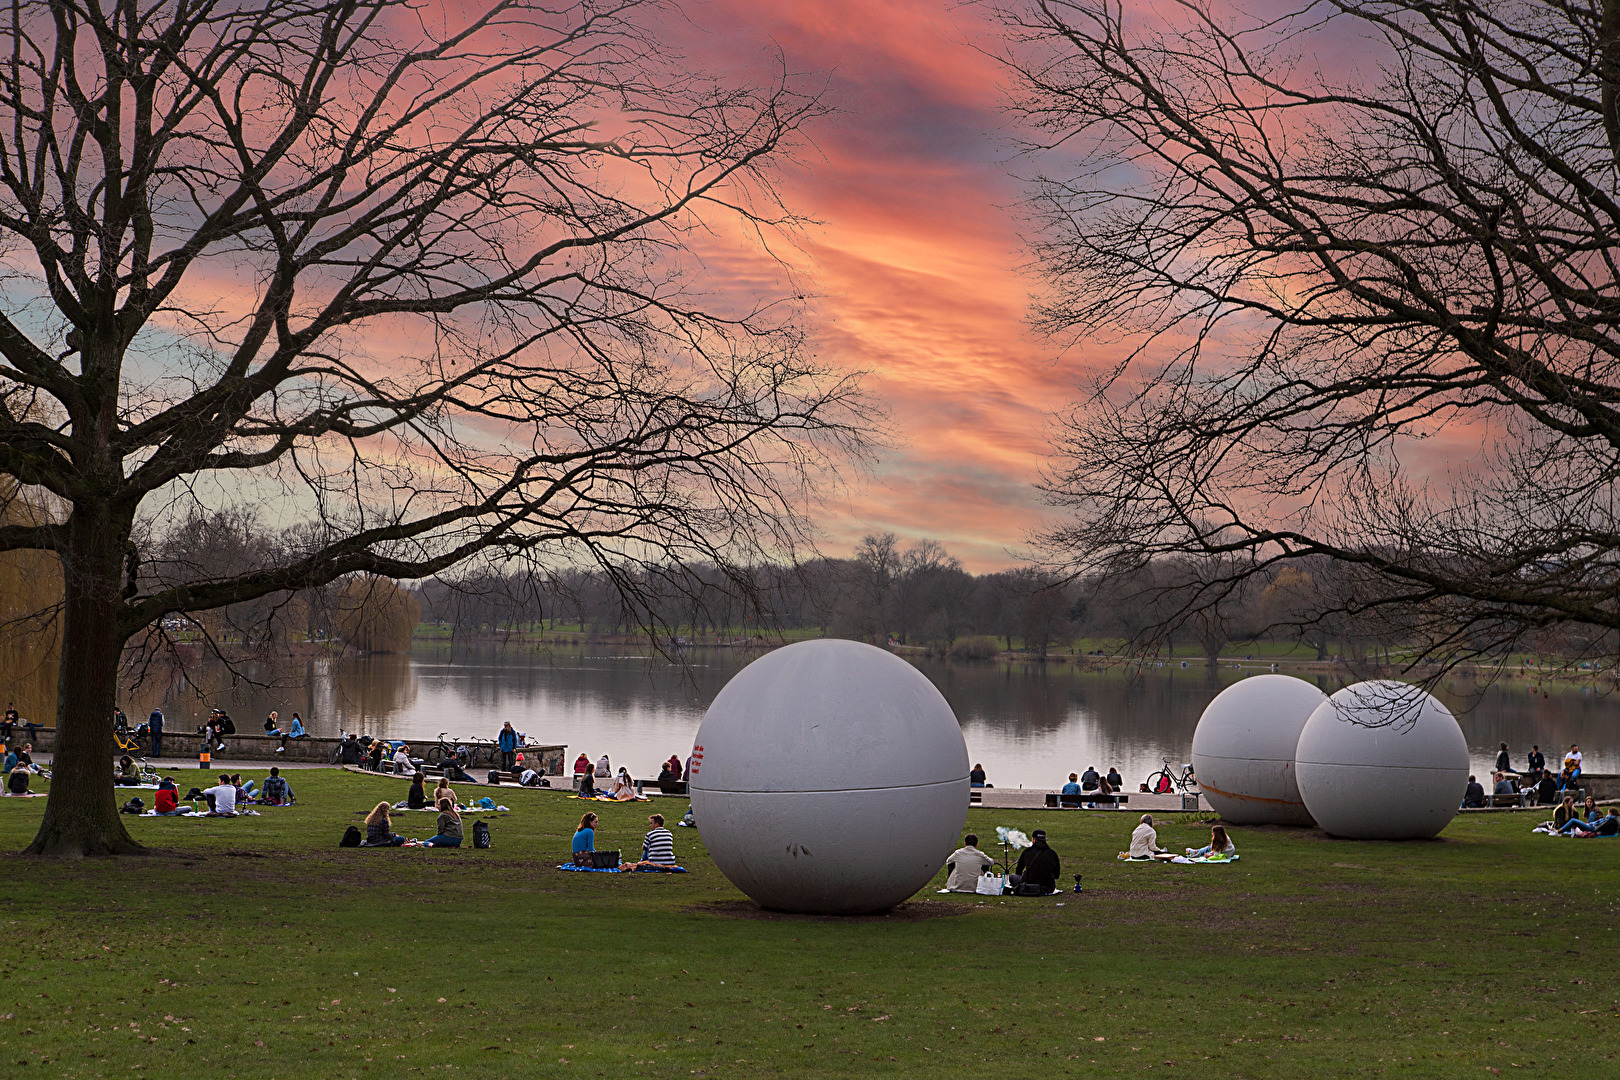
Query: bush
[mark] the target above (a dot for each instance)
(975, 648)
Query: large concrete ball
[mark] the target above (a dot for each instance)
(1382, 760)
(1243, 749)
(829, 777)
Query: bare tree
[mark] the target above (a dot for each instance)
(429, 280)
(1318, 279)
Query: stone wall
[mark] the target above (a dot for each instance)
(242, 748)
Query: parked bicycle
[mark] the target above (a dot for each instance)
(1164, 781)
(443, 751)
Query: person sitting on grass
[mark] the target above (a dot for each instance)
(657, 847)
(167, 800)
(221, 798)
(965, 865)
(1609, 826)
(1038, 867)
(449, 834)
(1145, 840)
(444, 791)
(277, 792)
(244, 792)
(585, 835)
(1565, 813)
(587, 786)
(416, 797)
(624, 788)
(1219, 844)
(128, 774)
(380, 830)
(17, 780)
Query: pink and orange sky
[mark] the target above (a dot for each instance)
(916, 259)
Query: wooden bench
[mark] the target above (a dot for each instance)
(1057, 800)
(1514, 799)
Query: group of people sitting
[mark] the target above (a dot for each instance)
(601, 780)
(1145, 843)
(447, 832)
(1586, 821)
(1539, 785)
(1085, 788)
(657, 846)
(19, 769)
(225, 797)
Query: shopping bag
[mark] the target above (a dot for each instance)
(990, 884)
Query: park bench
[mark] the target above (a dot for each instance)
(1060, 801)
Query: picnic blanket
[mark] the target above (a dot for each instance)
(616, 870)
(194, 813)
(609, 798)
(474, 808)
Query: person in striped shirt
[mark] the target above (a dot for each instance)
(657, 847)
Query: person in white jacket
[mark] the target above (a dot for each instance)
(1144, 841)
(967, 863)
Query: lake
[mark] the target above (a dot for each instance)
(1030, 724)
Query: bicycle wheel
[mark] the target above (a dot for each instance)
(1160, 782)
(434, 755)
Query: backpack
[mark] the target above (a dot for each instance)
(494, 777)
(351, 837)
(134, 806)
(480, 834)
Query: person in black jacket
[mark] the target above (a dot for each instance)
(1473, 795)
(349, 751)
(416, 798)
(1537, 760)
(1038, 865)
(1504, 761)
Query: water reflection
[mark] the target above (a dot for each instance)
(1030, 724)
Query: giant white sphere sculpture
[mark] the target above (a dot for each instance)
(829, 777)
(1382, 760)
(1243, 749)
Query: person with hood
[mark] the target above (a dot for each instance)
(350, 751)
(508, 742)
(167, 800)
(1038, 866)
(582, 764)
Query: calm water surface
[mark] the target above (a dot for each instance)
(1030, 724)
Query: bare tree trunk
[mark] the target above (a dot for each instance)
(81, 817)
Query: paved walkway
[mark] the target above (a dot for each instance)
(1035, 799)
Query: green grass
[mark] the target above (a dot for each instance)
(258, 948)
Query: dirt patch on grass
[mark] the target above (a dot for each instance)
(913, 911)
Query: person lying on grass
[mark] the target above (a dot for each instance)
(657, 847)
(449, 834)
(1219, 844)
(380, 830)
(1593, 825)
(1145, 840)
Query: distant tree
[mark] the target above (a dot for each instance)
(1319, 275)
(874, 574)
(375, 615)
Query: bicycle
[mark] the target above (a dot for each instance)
(1164, 781)
(127, 742)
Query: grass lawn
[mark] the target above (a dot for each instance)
(258, 948)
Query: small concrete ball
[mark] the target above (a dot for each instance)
(1243, 749)
(1382, 760)
(829, 778)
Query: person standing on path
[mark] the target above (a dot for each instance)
(508, 740)
(154, 728)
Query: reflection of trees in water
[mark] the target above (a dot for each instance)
(362, 692)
